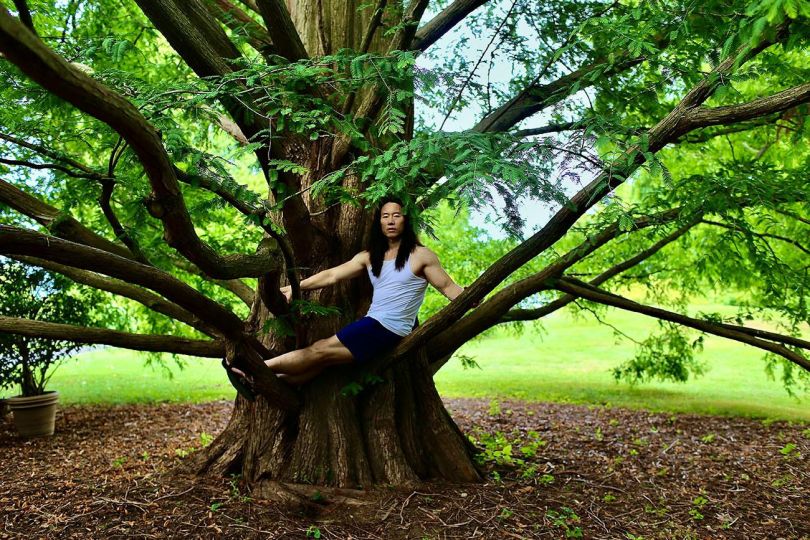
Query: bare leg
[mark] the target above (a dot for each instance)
(322, 353)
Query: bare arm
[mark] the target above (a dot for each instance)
(438, 277)
(350, 269)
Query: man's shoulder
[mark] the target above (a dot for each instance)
(363, 257)
(425, 254)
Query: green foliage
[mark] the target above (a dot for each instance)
(669, 355)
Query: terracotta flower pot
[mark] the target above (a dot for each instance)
(34, 416)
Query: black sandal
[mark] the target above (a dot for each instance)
(241, 384)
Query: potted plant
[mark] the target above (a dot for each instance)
(34, 294)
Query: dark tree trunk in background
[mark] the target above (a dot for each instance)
(393, 432)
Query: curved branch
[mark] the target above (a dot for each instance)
(737, 333)
(121, 288)
(442, 23)
(103, 336)
(666, 131)
(785, 239)
(53, 166)
(496, 310)
(56, 222)
(781, 101)
(17, 241)
(166, 203)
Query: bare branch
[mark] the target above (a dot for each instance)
(52, 166)
(785, 239)
(793, 215)
(236, 286)
(373, 24)
(17, 241)
(121, 288)
(166, 201)
(781, 101)
(25, 14)
(103, 336)
(551, 128)
(737, 333)
(496, 309)
(282, 30)
(442, 23)
(56, 222)
(240, 22)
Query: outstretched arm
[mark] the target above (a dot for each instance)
(437, 276)
(350, 269)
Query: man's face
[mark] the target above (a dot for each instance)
(392, 221)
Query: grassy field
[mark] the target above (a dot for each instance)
(570, 361)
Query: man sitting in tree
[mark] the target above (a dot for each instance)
(399, 268)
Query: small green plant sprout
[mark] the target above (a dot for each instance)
(119, 462)
(494, 408)
(565, 519)
(467, 362)
(790, 451)
(631, 536)
(145, 456)
(697, 507)
(597, 434)
(313, 532)
(546, 480)
(806, 433)
(506, 513)
(317, 497)
(608, 497)
(782, 480)
(641, 441)
(205, 439)
(216, 506)
(708, 438)
(184, 452)
(613, 422)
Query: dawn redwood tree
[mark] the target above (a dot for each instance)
(193, 156)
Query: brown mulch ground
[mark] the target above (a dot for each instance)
(555, 471)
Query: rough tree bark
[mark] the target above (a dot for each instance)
(396, 429)
(393, 432)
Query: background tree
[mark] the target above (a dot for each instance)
(28, 361)
(192, 156)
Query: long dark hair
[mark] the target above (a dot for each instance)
(378, 243)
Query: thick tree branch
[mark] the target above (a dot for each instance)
(737, 333)
(787, 99)
(16, 241)
(442, 23)
(56, 222)
(282, 30)
(103, 336)
(533, 314)
(203, 45)
(496, 310)
(121, 288)
(238, 287)
(166, 203)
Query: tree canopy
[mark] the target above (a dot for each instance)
(191, 156)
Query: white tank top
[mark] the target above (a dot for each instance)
(398, 294)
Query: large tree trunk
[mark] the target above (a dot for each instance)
(393, 432)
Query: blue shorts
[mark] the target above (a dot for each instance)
(367, 339)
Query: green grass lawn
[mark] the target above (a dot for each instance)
(569, 362)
